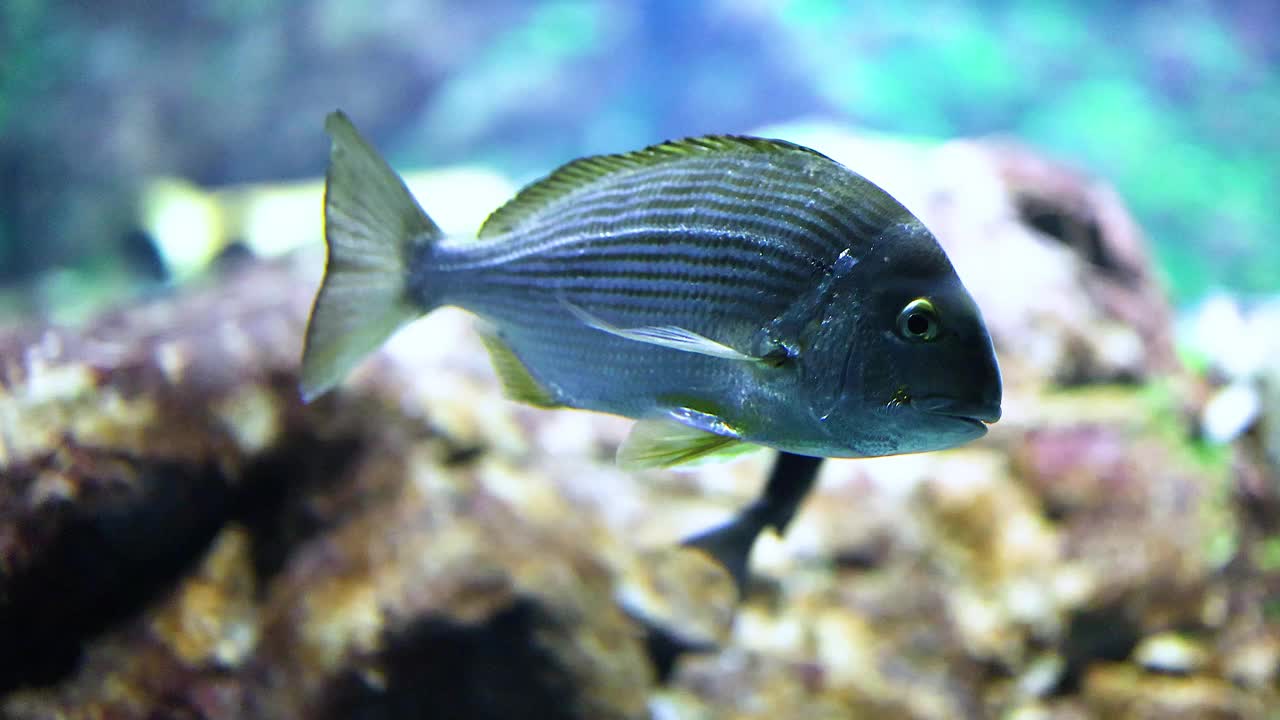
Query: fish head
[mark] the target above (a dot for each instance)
(913, 365)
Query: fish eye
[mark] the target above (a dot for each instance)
(919, 321)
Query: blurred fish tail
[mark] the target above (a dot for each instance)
(376, 235)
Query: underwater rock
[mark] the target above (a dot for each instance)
(1110, 261)
(122, 449)
(1123, 691)
(1256, 663)
(445, 601)
(180, 537)
(1170, 653)
(1238, 343)
(353, 559)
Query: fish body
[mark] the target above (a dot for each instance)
(726, 291)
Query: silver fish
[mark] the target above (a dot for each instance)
(725, 291)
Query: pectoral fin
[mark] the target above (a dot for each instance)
(681, 436)
(668, 336)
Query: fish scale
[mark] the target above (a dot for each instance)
(731, 209)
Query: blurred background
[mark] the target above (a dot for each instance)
(1176, 103)
(181, 537)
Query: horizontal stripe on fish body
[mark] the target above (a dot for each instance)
(780, 205)
(733, 321)
(751, 178)
(712, 204)
(744, 242)
(706, 226)
(689, 280)
(635, 270)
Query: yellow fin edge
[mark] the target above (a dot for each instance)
(664, 443)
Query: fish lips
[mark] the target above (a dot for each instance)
(976, 414)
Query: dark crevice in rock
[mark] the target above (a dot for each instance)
(1076, 230)
(464, 455)
(95, 560)
(1107, 633)
(143, 257)
(279, 489)
(438, 669)
(237, 255)
(866, 556)
(1056, 510)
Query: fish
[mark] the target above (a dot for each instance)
(727, 292)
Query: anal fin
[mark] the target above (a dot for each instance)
(518, 383)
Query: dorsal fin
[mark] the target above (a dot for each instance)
(578, 173)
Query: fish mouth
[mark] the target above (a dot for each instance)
(978, 414)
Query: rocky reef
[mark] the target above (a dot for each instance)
(181, 538)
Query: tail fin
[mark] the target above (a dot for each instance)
(372, 225)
